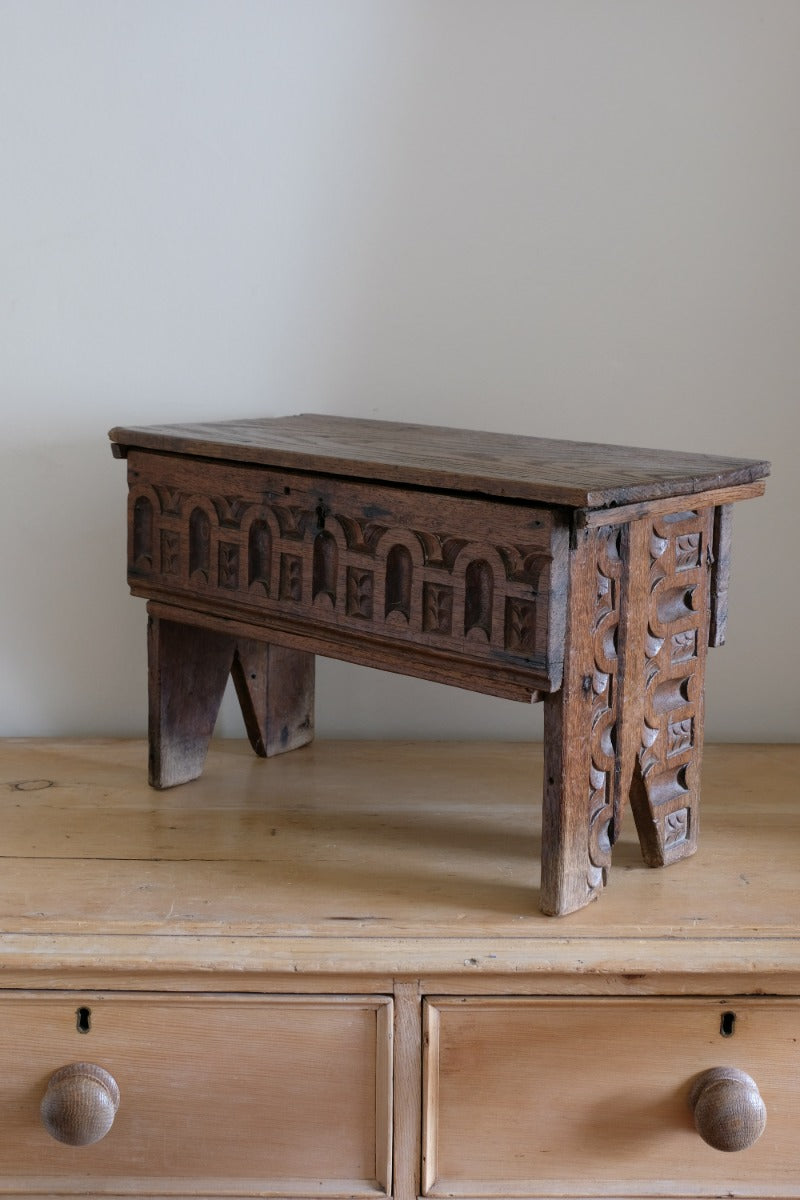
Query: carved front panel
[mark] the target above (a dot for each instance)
(476, 579)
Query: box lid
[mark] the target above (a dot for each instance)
(574, 474)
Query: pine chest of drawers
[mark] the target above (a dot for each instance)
(392, 1015)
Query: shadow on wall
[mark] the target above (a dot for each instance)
(72, 650)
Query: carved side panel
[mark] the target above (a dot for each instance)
(581, 726)
(666, 790)
(605, 702)
(251, 541)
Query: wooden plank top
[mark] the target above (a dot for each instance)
(575, 474)
(300, 866)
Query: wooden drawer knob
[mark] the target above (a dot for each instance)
(80, 1104)
(729, 1113)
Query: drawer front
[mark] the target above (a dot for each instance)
(576, 1098)
(451, 577)
(233, 1096)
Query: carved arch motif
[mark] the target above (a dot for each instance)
(201, 528)
(260, 533)
(265, 552)
(398, 589)
(325, 569)
(143, 507)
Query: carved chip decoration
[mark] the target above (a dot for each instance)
(677, 636)
(429, 586)
(605, 704)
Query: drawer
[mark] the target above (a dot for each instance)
(529, 1097)
(219, 1096)
(448, 578)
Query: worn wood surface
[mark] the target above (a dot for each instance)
(619, 515)
(577, 474)
(396, 859)
(569, 875)
(188, 668)
(506, 684)
(275, 688)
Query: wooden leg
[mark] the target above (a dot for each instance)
(188, 670)
(275, 686)
(665, 788)
(581, 773)
(628, 719)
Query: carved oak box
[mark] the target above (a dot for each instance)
(590, 577)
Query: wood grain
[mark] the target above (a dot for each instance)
(665, 787)
(578, 474)
(275, 688)
(382, 858)
(666, 504)
(188, 668)
(501, 680)
(729, 1112)
(250, 957)
(408, 1089)
(569, 880)
(79, 1104)
(220, 1095)
(572, 1098)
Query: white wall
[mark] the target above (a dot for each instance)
(571, 218)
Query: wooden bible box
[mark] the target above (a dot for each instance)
(590, 577)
